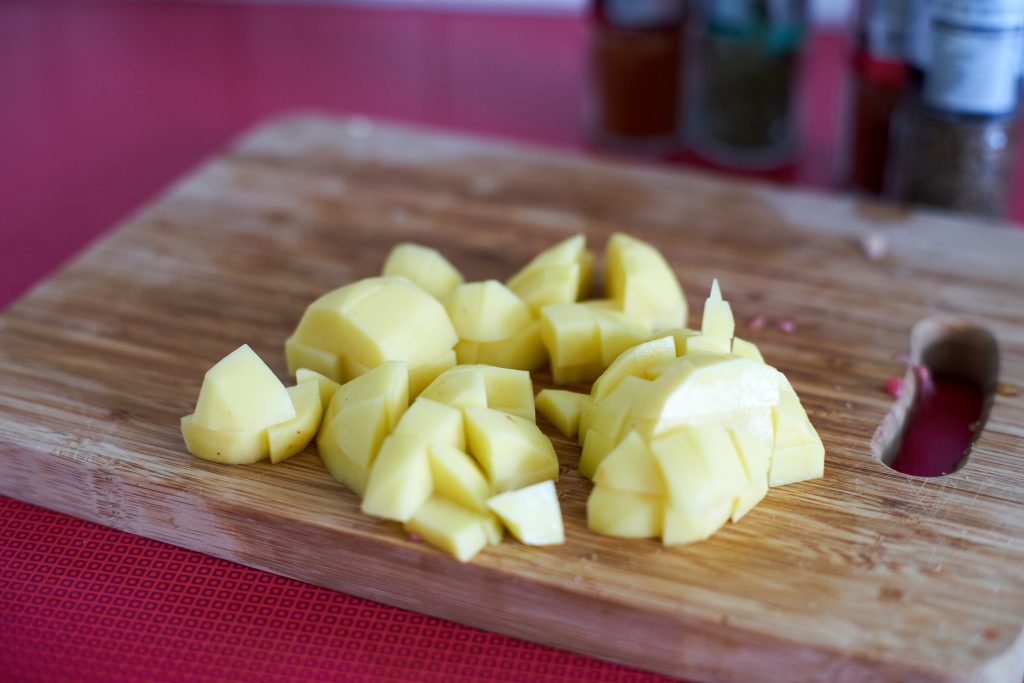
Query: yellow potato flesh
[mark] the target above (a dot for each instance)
(400, 480)
(682, 526)
(624, 514)
(639, 279)
(369, 322)
(755, 456)
(457, 530)
(389, 382)
(300, 355)
(430, 423)
(458, 390)
(634, 361)
(231, 448)
(547, 285)
(702, 343)
(531, 514)
(522, 351)
(486, 311)
(746, 349)
(424, 267)
(562, 409)
(458, 477)
(717, 320)
(325, 385)
(512, 450)
(421, 376)
(507, 389)
(241, 394)
(630, 466)
(349, 443)
(290, 437)
(700, 467)
(616, 333)
(571, 335)
(798, 453)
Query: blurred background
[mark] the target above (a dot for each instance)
(104, 103)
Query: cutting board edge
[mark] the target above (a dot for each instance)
(701, 635)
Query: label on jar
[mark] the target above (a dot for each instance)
(883, 26)
(976, 52)
(643, 13)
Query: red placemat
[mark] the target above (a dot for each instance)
(81, 602)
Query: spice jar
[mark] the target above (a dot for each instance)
(745, 79)
(956, 134)
(879, 71)
(636, 56)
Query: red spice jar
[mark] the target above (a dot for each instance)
(880, 73)
(636, 58)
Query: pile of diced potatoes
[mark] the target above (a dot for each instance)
(416, 387)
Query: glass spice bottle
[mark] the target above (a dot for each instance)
(636, 57)
(880, 71)
(956, 134)
(745, 80)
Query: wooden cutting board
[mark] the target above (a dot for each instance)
(864, 574)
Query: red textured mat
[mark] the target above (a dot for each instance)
(103, 605)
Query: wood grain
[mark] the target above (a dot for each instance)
(865, 574)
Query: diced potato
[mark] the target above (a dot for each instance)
(348, 444)
(562, 409)
(745, 349)
(231, 448)
(458, 477)
(512, 450)
(241, 394)
(617, 332)
(432, 424)
(508, 390)
(388, 381)
(445, 524)
(486, 311)
(300, 355)
(546, 278)
(532, 514)
(634, 361)
(522, 351)
(683, 526)
(703, 343)
(624, 514)
(372, 321)
(400, 480)
(596, 447)
(755, 456)
(325, 385)
(570, 334)
(717, 320)
(696, 386)
(576, 374)
(700, 467)
(798, 454)
(420, 377)
(630, 466)
(546, 285)
(680, 335)
(458, 389)
(424, 267)
(639, 279)
(288, 438)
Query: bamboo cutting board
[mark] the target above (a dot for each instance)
(864, 574)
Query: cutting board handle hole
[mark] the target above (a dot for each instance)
(946, 395)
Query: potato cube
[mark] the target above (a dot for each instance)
(299, 355)
(432, 424)
(424, 267)
(630, 466)
(617, 332)
(445, 524)
(458, 477)
(539, 287)
(625, 514)
(570, 334)
(700, 467)
(639, 279)
(532, 514)
(798, 453)
(755, 456)
(562, 409)
(241, 394)
(458, 389)
(703, 343)
(231, 448)
(421, 376)
(486, 311)
(717, 320)
(400, 480)
(634, 362)
(512, 450)
(325, 385)
(388, 381)
(684, 526)
(348, 444)
(288, 438)
(522, 351)
(745, 349)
